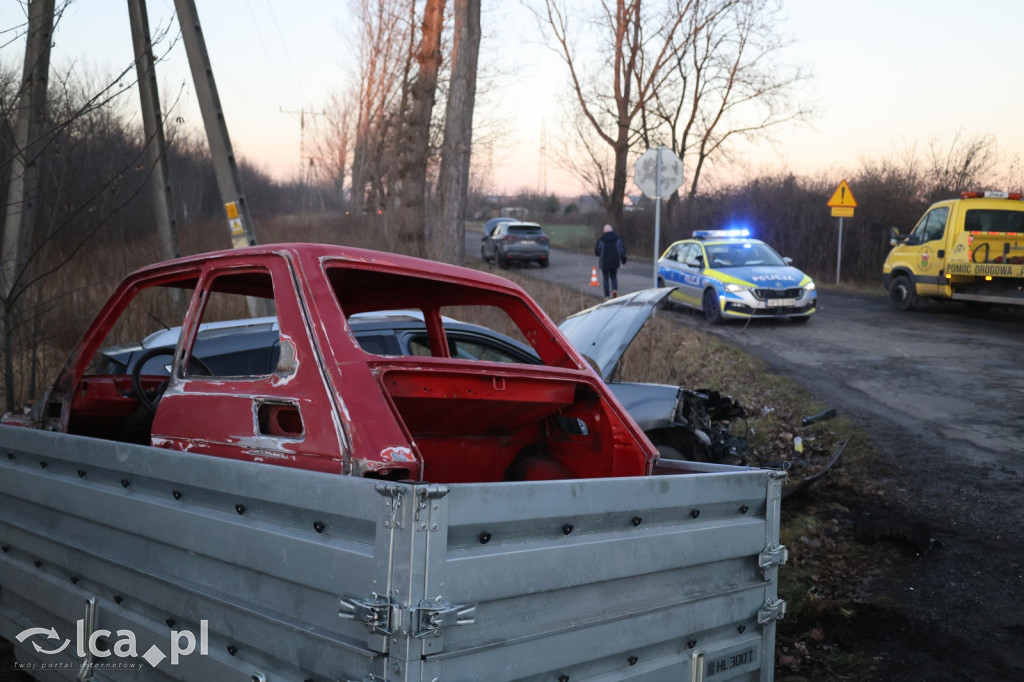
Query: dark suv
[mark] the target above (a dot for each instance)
(515, 242)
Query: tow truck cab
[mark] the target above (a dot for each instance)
(969, 249)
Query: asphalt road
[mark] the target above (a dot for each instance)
(952, 376)
(940, 391)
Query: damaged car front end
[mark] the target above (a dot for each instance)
(692, 424)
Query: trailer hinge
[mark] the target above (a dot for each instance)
(772, 610)
(433, 614)
(396, 499)
(773, 555)
(376, 613)
(775, 481)
(424, 517)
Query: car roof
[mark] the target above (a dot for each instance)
(720, 240)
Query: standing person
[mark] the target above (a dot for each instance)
(611, 253)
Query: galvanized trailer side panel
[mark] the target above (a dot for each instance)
(164, 540)
(660, 578)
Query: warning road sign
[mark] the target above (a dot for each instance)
(842, 197)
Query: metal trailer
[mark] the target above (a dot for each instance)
(285, 574)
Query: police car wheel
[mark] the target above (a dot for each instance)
(712, 313)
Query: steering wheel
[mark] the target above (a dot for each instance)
(150, 401)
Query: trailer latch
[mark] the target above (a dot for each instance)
(773, 555)
(432, 615)
(374, 612)
(772, 610)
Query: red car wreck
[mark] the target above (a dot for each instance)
(320, 400)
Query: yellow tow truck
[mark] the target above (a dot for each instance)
(969, 249)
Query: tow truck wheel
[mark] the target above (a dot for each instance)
(903, 293)
(712, 311)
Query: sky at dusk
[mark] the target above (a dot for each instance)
(886, 76)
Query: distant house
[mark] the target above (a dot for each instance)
(517, 212)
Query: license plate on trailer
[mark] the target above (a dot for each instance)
(781, 302)
(731, 664)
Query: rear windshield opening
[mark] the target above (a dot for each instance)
(994, 220)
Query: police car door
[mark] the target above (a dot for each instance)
(690, 268)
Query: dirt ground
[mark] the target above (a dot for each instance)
(919, 558)
(916, 558)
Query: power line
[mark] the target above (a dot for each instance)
(302, 114)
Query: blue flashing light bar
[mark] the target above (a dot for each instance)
(719, 234)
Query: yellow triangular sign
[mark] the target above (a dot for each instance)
(842, 197)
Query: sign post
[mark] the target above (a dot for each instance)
(842, 204)
(658, 173)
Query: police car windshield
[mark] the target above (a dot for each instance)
(741, 255)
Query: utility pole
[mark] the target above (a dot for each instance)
(152, 119)
(228, 180)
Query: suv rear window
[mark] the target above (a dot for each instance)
(523, 229)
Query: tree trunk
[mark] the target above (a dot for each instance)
(23, 188)
(449, 244)
(414, 150)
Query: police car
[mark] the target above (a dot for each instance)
(728, 275)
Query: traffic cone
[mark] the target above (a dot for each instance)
(593, 278)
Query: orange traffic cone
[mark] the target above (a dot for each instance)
(593, 278)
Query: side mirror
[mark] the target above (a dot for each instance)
(895, 238)
(484, 238)
(787, 260)
(697, 262)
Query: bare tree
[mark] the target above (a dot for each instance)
(726, 84)
(693, 74)
(449, 243)
(964, 165)
(614, 83)
(382, 57)
(333, 138)
(414, 140)
(80, 166)
(23, 183)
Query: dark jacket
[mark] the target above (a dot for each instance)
(610, 251)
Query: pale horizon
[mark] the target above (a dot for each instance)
(887, 77)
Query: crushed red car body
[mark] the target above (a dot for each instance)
(325, 401)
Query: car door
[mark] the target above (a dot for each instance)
(491, 242)
(690, 270)
(926, 251)
(667, 270)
